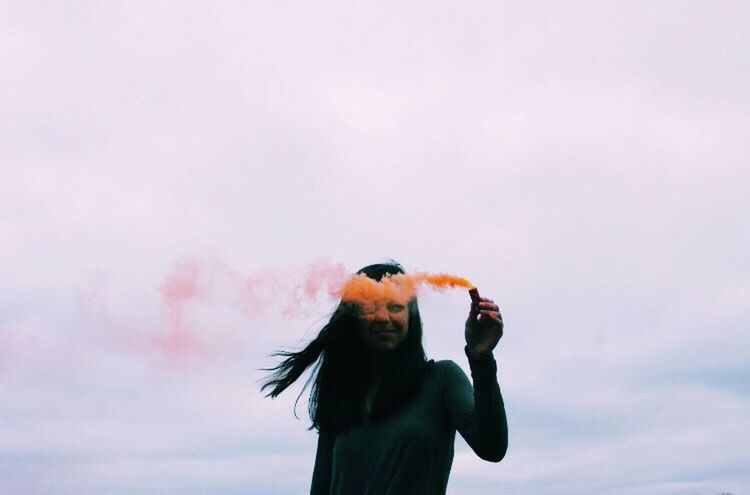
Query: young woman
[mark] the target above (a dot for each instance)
(386, 417)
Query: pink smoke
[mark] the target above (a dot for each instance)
(290, 292)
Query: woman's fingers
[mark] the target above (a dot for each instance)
(489, 305)
(489, 312)
(493, 315)
(486, 308)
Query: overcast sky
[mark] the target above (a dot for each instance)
(585, 164)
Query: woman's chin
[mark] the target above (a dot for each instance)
(383, 346)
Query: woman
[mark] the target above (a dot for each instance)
(386, 417)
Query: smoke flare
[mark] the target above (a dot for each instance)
(360, 288)
(196, 283)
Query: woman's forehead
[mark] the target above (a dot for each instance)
(384, 299)
(362, 288)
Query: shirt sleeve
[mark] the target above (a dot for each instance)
(478, 411)
(321, 478)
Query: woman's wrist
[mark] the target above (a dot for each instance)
(478, 356)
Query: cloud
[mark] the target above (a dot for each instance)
(583, 164)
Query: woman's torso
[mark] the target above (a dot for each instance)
(410, 451)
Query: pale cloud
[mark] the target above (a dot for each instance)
(584, 164)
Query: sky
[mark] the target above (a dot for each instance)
(173, 171)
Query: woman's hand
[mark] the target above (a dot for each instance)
(484, 327)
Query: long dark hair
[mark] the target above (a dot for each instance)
(342, 372)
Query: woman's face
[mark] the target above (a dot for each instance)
(384, 324)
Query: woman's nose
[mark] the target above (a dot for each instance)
(381, 314)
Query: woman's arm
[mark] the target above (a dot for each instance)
(321, 478)
(478, 411)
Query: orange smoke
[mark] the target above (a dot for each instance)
(400, 287)
(443, 280)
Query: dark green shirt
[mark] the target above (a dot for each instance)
(411, 451)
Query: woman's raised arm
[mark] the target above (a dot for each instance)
(478, 411)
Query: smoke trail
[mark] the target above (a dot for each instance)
(443, 280)
(176, 290)
(360, 288)
(293, 291)
(195, 283)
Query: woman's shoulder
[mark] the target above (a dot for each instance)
(445, 367)
(444, 363)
